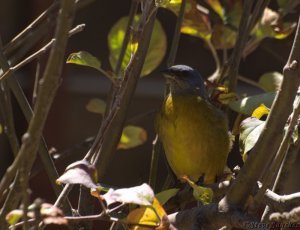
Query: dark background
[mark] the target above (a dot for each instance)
(69, 123)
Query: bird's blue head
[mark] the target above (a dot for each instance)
(185, 80)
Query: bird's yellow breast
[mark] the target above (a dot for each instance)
(194, 135)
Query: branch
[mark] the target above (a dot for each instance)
(281, 203)
(133, 10)
(271, 136)
(287, 217)
(210, 217)
(242, 37)
(38, 53)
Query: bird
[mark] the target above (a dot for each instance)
(194, 133)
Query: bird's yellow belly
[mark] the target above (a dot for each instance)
(195, 137)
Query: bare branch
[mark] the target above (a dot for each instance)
(38, 53)
(281, 203)
(292, 216)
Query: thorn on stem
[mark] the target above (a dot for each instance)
(294, 65)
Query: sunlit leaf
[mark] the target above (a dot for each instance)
(96, 105)
(250, 131)
(174, 6)
(84, 58)
(196, 23)
(271, 25)
(200, 193)
(260, 111)
(141, 195)
(217, 7)
(271, 81)
(14, 216)
(80, 172)
(165, 195)
(248, 104)
(132, 136)
(156, 51)
(144, 215)
(160, 211)
(151, 216)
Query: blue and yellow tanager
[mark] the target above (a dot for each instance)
(193, 132)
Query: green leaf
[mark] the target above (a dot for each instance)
(156, 51)
(271, 81)
(84, 58)
(132, 136)
(250, 131)
(96, 105)
(165, 195)
(1, 129)
(200, 193)
(248, 104)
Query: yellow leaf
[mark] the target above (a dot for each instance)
(144, 216)
(132, 136)
(217, 7)
(260, 111)
(96, 105)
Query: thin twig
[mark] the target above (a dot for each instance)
(132, 12)
(157, 146)
(38, 53)
(63, 195)
(176, 36)
(24, 35)
(36, 80)
(156, 150)
(6, 108)
(215, 77)
(243, 34)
